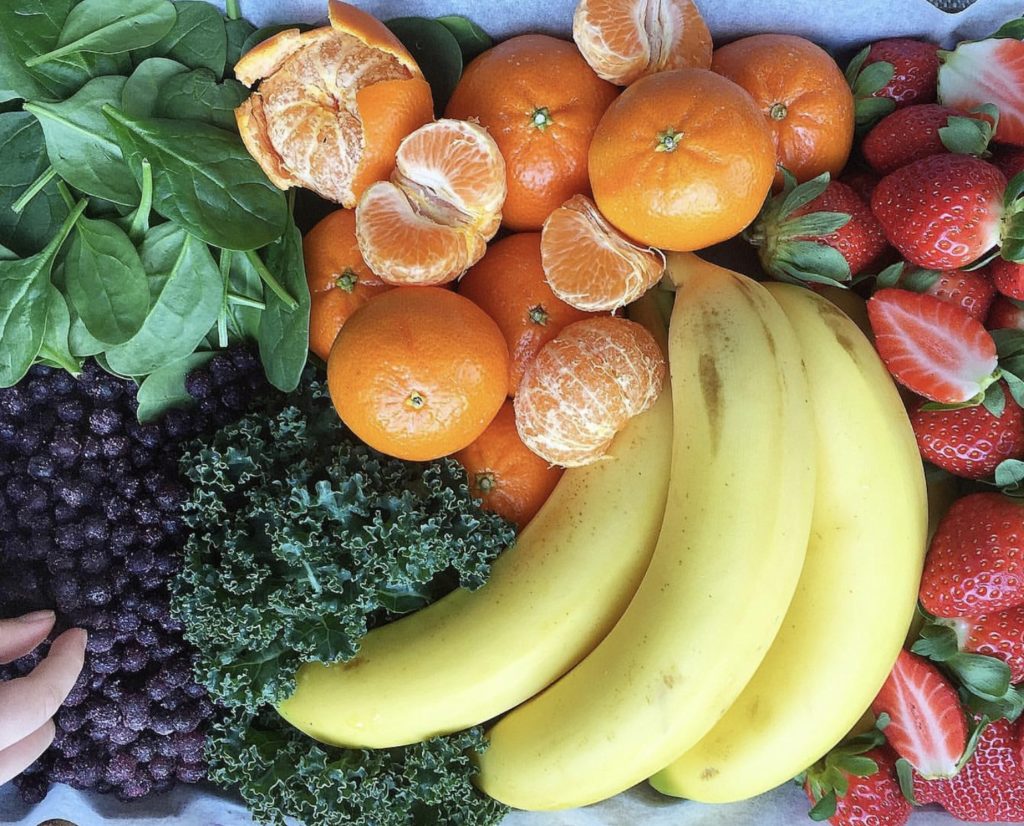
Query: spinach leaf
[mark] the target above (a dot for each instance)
(284, 332)
(204, 180)
(24, 160)
(81, 144)
(198, 38)
(436, 51)
(29, 28)
(198, 96)
(99, 26)
(165, 388)
(81, 342)
(185, 290)
(244, 321)
(238, 32)
(104, 279)
(7, 255)
(24, 288)
(472, 39)
(142, 89)
(16, 82)
(55, 350)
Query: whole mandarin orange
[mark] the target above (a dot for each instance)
(418, 372)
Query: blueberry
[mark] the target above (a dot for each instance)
(147, 435)
(140, 561)
(160, 767)
(199, 384)
(191, 772)
(70, 719)
(122, 735)
(70, 537)
(13, 401)
(96, 592)
(177, 423)
(100, 641)
(96, 530)
(41, 467)
(94, 560)
(135, 788)
(70, 410)
(75, 494)
(121, 768)
(116, 509)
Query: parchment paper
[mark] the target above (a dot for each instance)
(838, 24)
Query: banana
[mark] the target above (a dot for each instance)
(858, 589)
(550, 599)
(722, 575)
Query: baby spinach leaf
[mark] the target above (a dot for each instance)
(16, 82)
(99, 26)
(81, 144)
(238, 32)
(244, 321)
(436, 51)
(198, 38)
(197, 95)
(7, 254)
(104, 279)
(24, 160)
(472, 39)
(268, 32)
(204, 180)
(284, 332)
(142, 89)
(165, 388)
(185, 292)
(55, 350)
(24, 288)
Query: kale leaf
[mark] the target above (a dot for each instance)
(303, 539)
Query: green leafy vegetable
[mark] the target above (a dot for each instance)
(281, 772)
(81, 144)
(204, 180)
(303, 539)
(238, 32)
(165, 388)
(197, 95)
(197, 39)
(284, 330)
(472, 39)
(268, 32)
(104, 279)
(437, 52)
(141, 91)
(243, 320)
(55, 350)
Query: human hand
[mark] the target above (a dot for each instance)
(27, 703)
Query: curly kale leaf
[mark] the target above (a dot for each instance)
(282, 773)
(303, 539)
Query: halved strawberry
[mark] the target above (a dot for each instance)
(987, 71)
(972, 291)
(922, 130)
(927, 727)
(932, 348)
(1005, 314)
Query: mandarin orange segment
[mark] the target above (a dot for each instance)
(418, 372)
(623, 40)
(584, 385)
(591, 265)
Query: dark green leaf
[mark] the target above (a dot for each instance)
(54, 349)
(1010, 705)
(854, 66)
(938, 642)
(204, 180)
(471, 38)
(824, 808)
(80, 341)
(141, 92)
(860, 766)
(24, 160)
(198, 38)
(905, 776)
(995, 400)
(890, 276)
(81, 144)
(1014, 189)
(244, 322)
(919, 281)
(198, 96)
(817, 260)
(284, 332)
(873, 77)
(104, 279)
(870, 110)
(184, 301)
(436, 51)
(7, 254)
(815, 224)
(165, 388)
(1013, 29)
(985, 676)
(238, 32)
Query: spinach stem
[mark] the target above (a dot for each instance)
(140, 220)
(269, 279)
(232, 9)
(222, 317)
(65, 193)
(34, 189)
(245, 301)
(65, 228)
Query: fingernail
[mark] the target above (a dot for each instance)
(36, 616)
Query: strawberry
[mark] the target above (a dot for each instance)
(922, 130)
(927, 727)
(969, 441)
(861, 181)
(891, 74)
(1008, 277)
(975, 564)
(988, 71)
(1009, 160)
(990, 788)
(971, 291)
(819, 231)
(1005, 314)
(999, 635)
(944, 212)
(932, 348)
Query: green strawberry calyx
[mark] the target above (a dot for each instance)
(1012, 230)
(865, 82)
(829, 778)
(971, 136)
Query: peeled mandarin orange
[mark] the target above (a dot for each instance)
(623, 40)
(803, 97)
(508, 284)
(338, 278)
(433, 219)
(332, 104)
(591, 265)
(682, 160)
(584, 385)
(418, 372)
(541, 101)
(509, 478)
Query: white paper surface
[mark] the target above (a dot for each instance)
(839, 24)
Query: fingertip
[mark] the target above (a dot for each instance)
(48, 731)
(74, 639)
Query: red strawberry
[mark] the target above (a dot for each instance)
(922, 130)
(942, 212)
(1009, 160)
(969, 441)
(874, 800)
(999, 635)
(1005, 314)
(930, 347)
(927, 725)
(973, 292)
(1008, 277)
(915, 69)
(987, 71)
(816, 231)
(861, 181)
(990, 788)
(975, 564)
